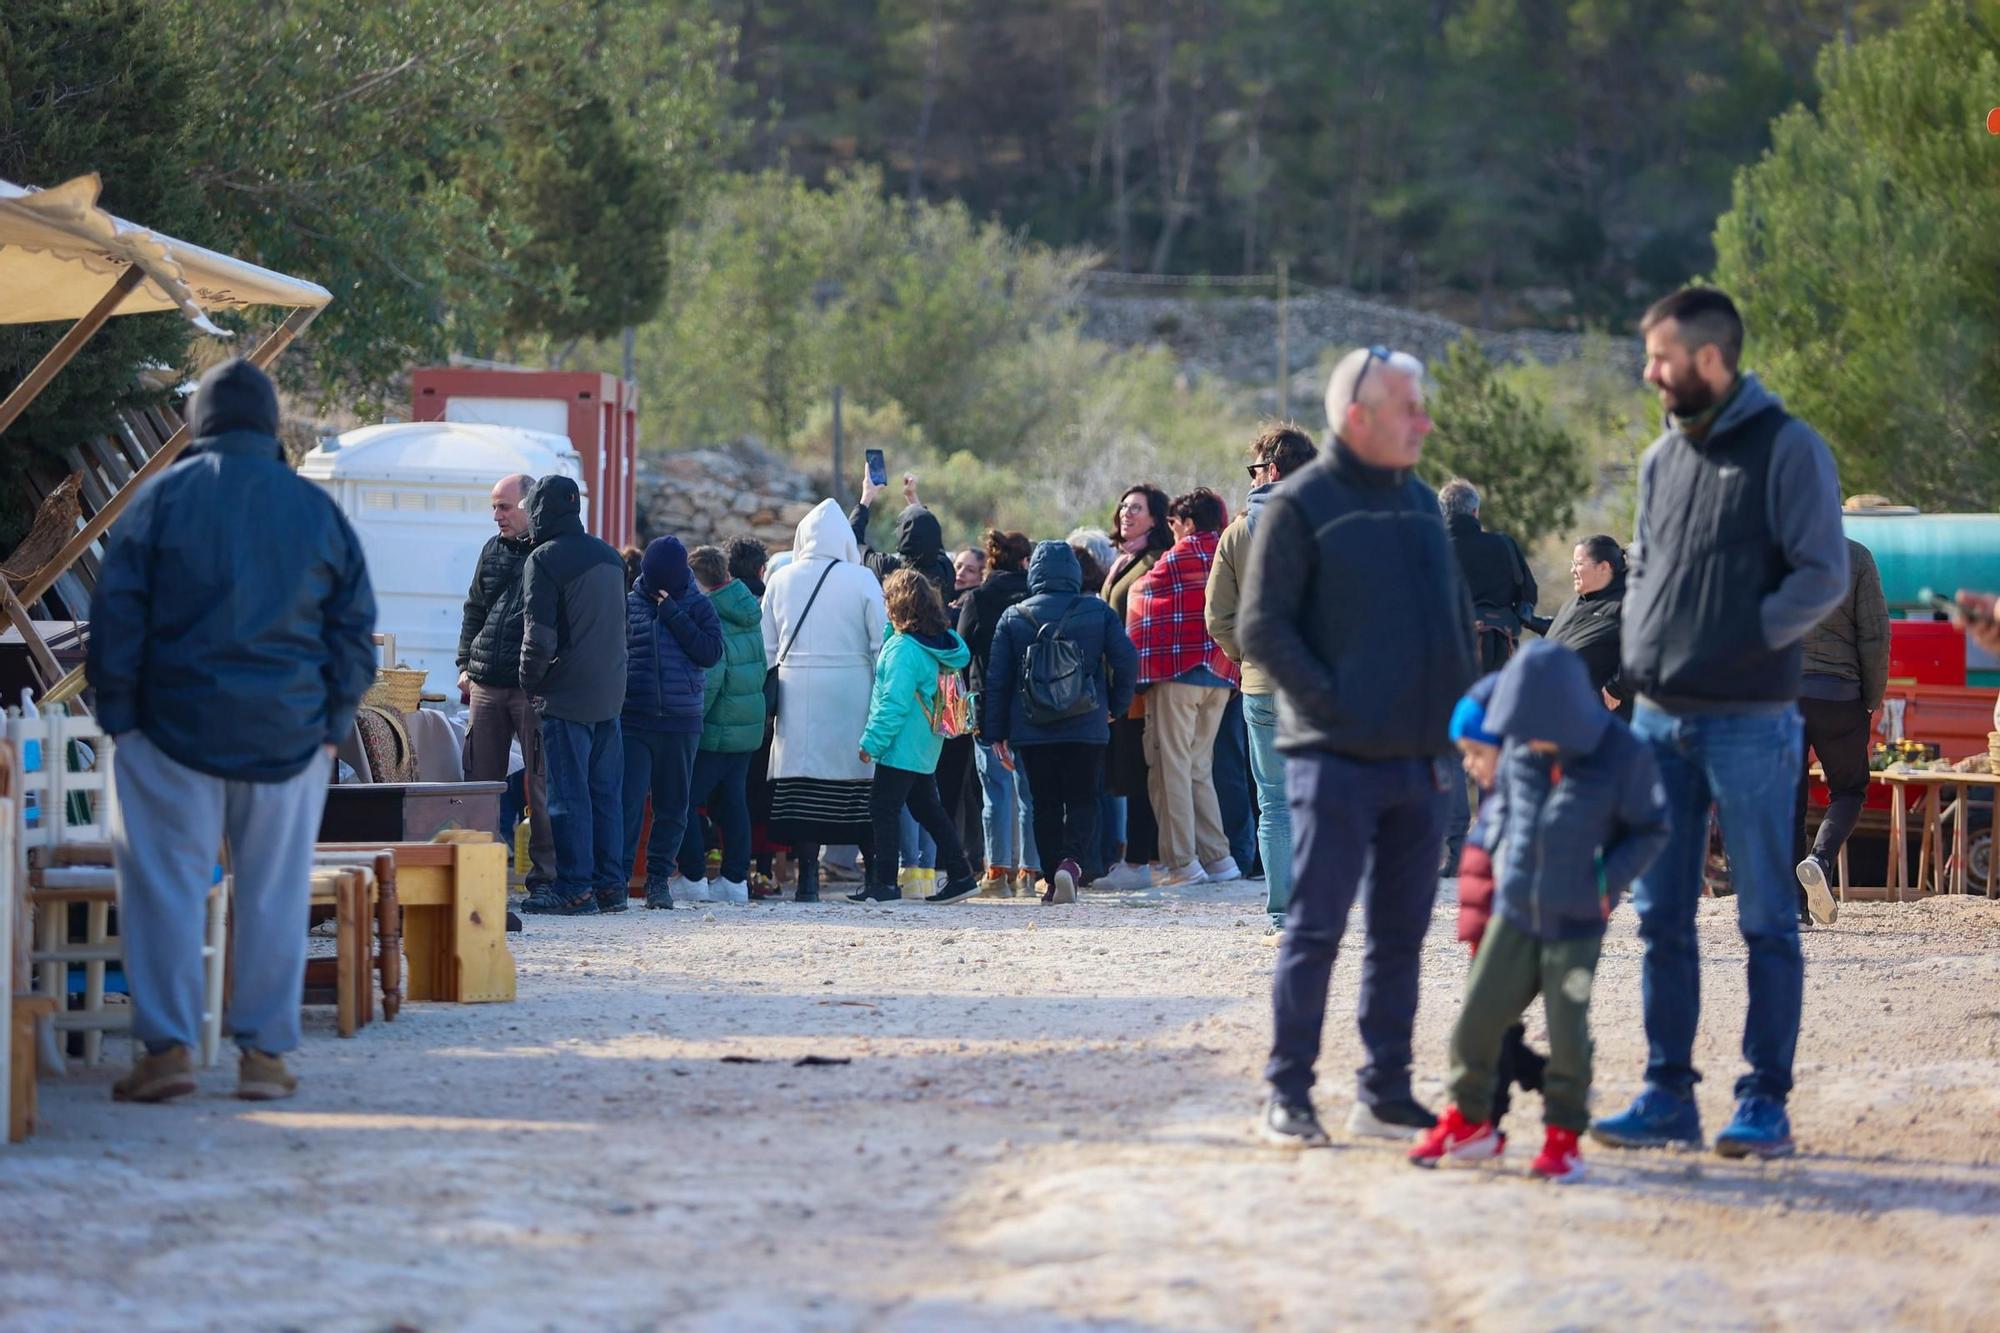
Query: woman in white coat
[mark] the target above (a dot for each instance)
(823, 622)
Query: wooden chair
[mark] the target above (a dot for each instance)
(453, 897)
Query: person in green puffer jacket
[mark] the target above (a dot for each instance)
(918, 652)
(732, 727)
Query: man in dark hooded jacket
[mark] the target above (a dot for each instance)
(231, 639)
(573, 658)
(919, 540)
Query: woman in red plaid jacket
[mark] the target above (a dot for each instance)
(1188, 680)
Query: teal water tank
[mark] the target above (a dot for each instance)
(1943, 552)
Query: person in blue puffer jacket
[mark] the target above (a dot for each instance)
(672, 637)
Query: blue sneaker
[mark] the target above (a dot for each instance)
(1760, 1128)
(1656, 1119)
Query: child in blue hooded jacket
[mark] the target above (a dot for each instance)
(1583, 813)
(918, 652)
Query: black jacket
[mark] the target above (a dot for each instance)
(919, 546)
(233, 617)
(1056, 579)
(1578, 826)
(1498, 582)
(1588, 626)
(573, 636)
(980, 615)
(489, 633)
(1354, 607)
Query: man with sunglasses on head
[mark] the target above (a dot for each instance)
(1354, 607)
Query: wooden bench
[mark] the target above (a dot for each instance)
(454, 902)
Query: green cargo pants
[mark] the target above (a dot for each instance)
(1511, 969)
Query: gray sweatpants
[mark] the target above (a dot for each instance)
(167, 828)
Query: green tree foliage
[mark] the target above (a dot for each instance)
(1862, 248)
(1529, 469)
(90, 85)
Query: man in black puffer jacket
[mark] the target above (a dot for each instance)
(573, 666)
(1354, 607)
(231, 637)
(489, 674)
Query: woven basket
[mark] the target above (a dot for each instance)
(397, 689)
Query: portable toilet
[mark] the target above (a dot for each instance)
(419, 497)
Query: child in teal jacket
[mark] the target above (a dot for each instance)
(902, 743)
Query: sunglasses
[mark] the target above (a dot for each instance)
(1375, 353)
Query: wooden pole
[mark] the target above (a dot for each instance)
(69, 345)
(45, 577)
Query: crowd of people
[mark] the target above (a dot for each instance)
(1332, 689)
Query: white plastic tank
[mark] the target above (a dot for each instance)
(419, 497)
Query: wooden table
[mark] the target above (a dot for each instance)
(1936, 872)
(382, 813)
(454, 903)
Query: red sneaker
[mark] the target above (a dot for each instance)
(1561, 1160)
(1457, 1138)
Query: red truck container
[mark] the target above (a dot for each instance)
(598, 412)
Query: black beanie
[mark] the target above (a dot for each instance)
(235, 396)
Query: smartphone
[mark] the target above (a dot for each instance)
(1949, 608)
(878, 468)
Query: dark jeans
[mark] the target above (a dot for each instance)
(1373, 828)
(1231, 770)
(893, 789)
(1837, 731)
(1063, 780)
(586, 762)
(1743, 766)
(721, 783)
(1458, 810)
(660, 762)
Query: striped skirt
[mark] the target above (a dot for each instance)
(819, 810)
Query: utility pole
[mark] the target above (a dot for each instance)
(1284, 341)
(839, 454)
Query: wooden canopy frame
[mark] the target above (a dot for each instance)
(57, 248)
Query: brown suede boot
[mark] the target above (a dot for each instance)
(157, 1078)
(263, 1078)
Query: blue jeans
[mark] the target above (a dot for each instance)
(916, 848)
(1457, 821)
(1231, 773)
(1274, 817)
(722, 784)
(1006, 812)
(1110, 831)
(586, 763)
(660, 762)
(1745, 767)
(1372, 827)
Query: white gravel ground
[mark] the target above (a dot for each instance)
(1045, 1124)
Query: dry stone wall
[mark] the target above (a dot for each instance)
(707, 496)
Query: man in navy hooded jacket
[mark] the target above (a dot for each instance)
(231, 638)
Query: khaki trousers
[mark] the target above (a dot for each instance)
(1182, 722)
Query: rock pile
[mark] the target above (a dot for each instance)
(706, 496)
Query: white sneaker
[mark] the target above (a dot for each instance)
(1364, 1123)
(1191, 873)
(685, 890)
(1125, 875)
(729, 891)
(1223, 871)
(1819, 900)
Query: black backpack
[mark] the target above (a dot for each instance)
(1056, 683)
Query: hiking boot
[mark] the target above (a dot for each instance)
(1819, 899)
(1459, 1139)
(263, 1078)
(659, 895)
(1399, 1118)
(1223, 871)
(806, 893)
(999, 882)
(1760, 1128)
(1062, 889)
(1561, 1159)
(545, 902)
(157, 1078)
(954, 890)
(1656, 1119)
(613, 900)
(1273, 936)
(1291, 1124)
(1028, 885)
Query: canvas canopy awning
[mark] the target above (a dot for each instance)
(60, 252)
(64, 258)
